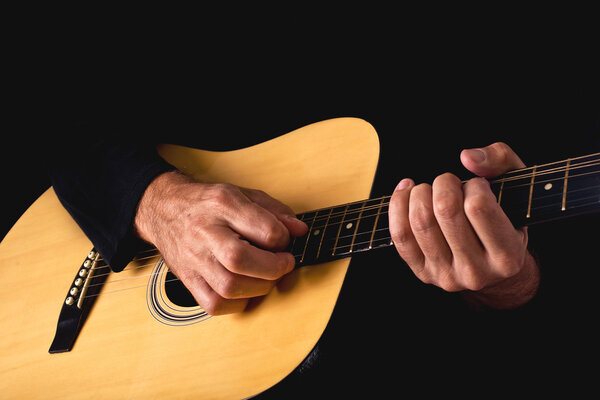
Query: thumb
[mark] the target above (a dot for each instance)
(491, 161)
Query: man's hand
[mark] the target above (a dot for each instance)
(457, 237)
(203, 232)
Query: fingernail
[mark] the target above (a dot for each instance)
(403, 184)
(476, 155)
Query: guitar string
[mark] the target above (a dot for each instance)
(387, 243)
(536, 167)
(379, 204)
(337, 252)
(564, 168)
(562, 172)
(584, 164)
(538, 171)
(154, 252)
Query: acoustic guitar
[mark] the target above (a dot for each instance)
(72, 329)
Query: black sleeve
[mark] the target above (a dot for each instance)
(100, 181)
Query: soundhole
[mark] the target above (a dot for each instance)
(177, 292)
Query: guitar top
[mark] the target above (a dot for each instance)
(136, 341)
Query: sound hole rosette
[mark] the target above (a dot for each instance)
(162, 308)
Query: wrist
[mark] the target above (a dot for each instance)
(509, 293)
(151, 208)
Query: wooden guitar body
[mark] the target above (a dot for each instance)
(122, 350)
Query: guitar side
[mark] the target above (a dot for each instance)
(122, 351)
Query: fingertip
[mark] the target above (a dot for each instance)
(295, 226)
(292, 262)
(473, 159)
(479, 162)
(404, 184)
(289, 263)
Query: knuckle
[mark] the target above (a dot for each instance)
(221, 195)
(422, 219)
(228, 287)
(472, 282)
(420, 213)
(448, 283)
(422, 273)
(233, 258)
(210, 310)
(507, 265)
(272, 234)
(212, 305)
(477, 205)
(401, 234)
(447, 205)
(502, 151)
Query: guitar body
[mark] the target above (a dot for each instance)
(123, 351)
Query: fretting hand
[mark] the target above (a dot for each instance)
(457, 237)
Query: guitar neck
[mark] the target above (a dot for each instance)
(528, 196)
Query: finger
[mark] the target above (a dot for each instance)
(281, 211)
(502, 242)
(208, 299)
(257, 224)
(425, 227)
(227, 284)
(449, 212)
(241, 257)
(399, 226)
(491, 161)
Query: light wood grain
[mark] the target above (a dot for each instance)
(122, 351)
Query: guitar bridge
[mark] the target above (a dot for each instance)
(77, 304)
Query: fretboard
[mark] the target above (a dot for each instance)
(528, 196)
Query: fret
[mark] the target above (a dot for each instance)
(309, 244)
(309, 235)
(544, 192)
(367, 224)
(331, 232)
(381, 233)
(531, 192)
(583, 190)
(324, 231)
(347, 229)
(297, 242)
(565, 185)
(500, 193)
(515, 193)
(339, 230)
(548, 189)
(357, 224)
(375, 223)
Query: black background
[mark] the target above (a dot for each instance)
(389, 331)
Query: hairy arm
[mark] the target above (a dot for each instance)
(224, 242)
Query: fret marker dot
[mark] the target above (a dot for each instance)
(349, 225)
(548, 186)
(316, 232)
